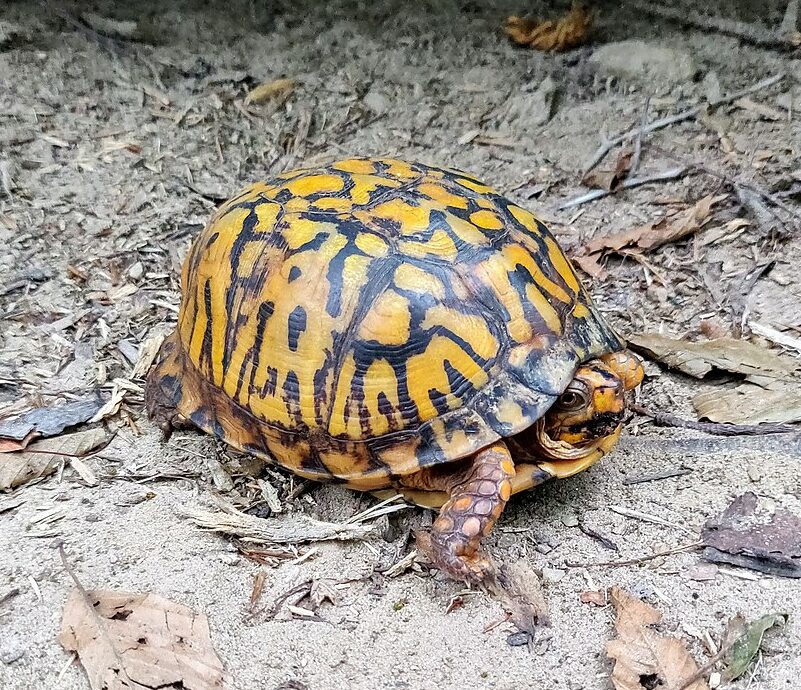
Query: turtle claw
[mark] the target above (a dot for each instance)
(472, 569)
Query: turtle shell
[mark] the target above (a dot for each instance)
(365, 319)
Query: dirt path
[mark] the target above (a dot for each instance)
(110, 162)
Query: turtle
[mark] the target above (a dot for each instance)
(398, 328)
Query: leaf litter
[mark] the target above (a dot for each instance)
(129, 641)
(49, 421)
(771, 392)
(743, 641)
(550, 35)
(643, 658)
(44, 457)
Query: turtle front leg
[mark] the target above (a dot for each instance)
(477, 497)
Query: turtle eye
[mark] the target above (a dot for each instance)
(572, 400)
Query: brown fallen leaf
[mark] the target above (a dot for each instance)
(589, 264)
(651, 236)
(776, 402)
(746, 535)
(43, 457)
(644, 658)
(568, 32)
(725, 354)
(610, 179)
(277, 91)
(131, 641)
(519, 590)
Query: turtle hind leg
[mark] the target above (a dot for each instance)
(477, 497)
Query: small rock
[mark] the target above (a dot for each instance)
(648, 63)
(92, 517)
(544, 548)
(132, 499)
(701, 572)
(377, 102)
(11, 649)
(552, 574)
(714, 680)
(229, 558)
(518, 639)
(136, 271)
(755, 473)
(570, 520)
(711, 86)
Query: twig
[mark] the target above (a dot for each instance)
(10, 594)
(715, 428)
(758, 35)
(659, 476)
(112, 45)
(101, 623)
(628, 183)
(642, 559)
(687, 114)
(635, 161)
(645, 517)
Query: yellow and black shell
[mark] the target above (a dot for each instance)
(362, 320)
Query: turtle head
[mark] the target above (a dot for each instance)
(592, 406)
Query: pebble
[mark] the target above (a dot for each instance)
(518, 639)
(552, 574)
(644, 62)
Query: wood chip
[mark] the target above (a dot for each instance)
(288, 529)
(276, 90)
(148, 352)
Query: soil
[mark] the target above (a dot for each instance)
(114, 153)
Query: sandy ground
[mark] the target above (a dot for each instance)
(111, 163)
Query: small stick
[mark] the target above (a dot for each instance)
(687, 114)
(645, 517)
(641, 559)
(635, 163)
(715, 428)
(757, 35)
(659, 476)
(10, 594)
(628, 183)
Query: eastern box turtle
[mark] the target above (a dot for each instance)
(395, 327)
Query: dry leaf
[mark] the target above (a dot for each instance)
(43, 457)
(777, 402)
(139, 642)
(765, 540)
(641, 654)
(610, 180)
(667, 230)
(278, 90)
(51, 420)
(568, 32)
(519, 589)
(726, 354)
(589, 264)
(744, 640)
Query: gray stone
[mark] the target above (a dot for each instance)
(644, 62)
